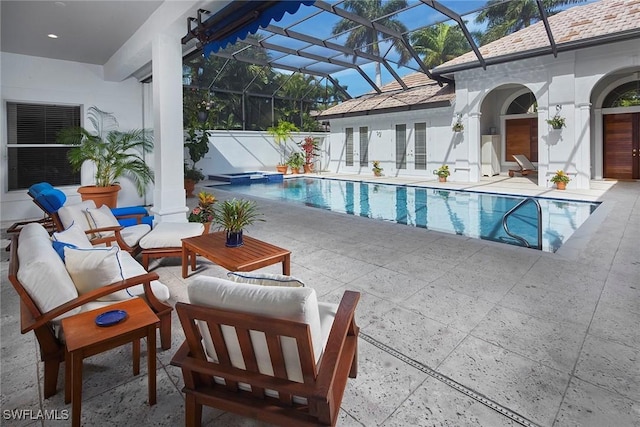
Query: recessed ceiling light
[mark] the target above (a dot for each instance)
(52, 36)
(60, 4)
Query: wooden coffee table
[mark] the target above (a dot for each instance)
(252, 255)
(84, 338)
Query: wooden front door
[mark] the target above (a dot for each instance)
(622, 146)
(521, 137)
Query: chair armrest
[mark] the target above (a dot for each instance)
(343, 325)
(144, 279)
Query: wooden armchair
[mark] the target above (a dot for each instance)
(45, 325)
(264, 366)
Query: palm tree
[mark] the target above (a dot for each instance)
(439, 43)
(367, 38)
(504, 18)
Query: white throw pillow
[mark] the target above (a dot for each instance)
(102, 217)
(264, 279)
(75, 214)
(74, 235)
(93, 268)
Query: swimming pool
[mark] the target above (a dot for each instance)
(467, 213)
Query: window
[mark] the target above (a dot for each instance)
(626, 95)
(524, 104)
(33, 154)
(401, 146)
(348, 161)
(420, 146)
(364, 146)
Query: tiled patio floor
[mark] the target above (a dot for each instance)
(554, 338)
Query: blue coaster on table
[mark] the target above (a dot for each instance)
(110, 318)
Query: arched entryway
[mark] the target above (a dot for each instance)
(621, 132)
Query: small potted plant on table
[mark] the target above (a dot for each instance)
(561, 179)
(377, 169)
(442, 172)
(233, 216)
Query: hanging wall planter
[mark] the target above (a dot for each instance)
(557, 122)
(203, 116)
(458, 126)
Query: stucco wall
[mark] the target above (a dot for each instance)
(40, 80)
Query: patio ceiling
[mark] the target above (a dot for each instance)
(304, 41)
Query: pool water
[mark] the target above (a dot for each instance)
(467, 213)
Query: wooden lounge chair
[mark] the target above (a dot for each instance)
(245, 353)
(525, 166)
(47, 294)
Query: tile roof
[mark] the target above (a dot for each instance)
(422, 92)
(580, 23)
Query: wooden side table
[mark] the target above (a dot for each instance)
(84, 338)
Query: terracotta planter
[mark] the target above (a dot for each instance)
(234, 239)
(561, 185)
(308, 167)
(376, 173)
(295, 170)
(282, 168)
(207, 227)
(189, 186)
(442, 179)
(100, 195)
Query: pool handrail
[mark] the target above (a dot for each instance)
(520, 238)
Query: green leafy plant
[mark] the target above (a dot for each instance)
(281, 133)
(235, 214)
(197, 143)
(560, 176)
(296, 160)
(115, 153)
(458, 126)
(442, 171)
(376, 167)
(556, 122)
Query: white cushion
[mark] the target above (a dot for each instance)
(130, 268)
(299, 304)
(93, 268)
(74, 235)
(132, 234)
(42, 272)
(265, 279)
(101, 217)
(76, 214)
(170, 234)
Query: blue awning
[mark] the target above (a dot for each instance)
(248, 18)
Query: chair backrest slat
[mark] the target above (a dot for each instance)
(277, 361)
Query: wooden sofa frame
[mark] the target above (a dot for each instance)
(323, 385)
(52, 350)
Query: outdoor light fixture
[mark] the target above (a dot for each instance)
(52, 36)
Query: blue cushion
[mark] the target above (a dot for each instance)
(129, 210)
(127, 222)
(51, 199)
(38, 188)
(59, 247)
(148, 220)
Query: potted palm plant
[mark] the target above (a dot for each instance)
(281, 134)
(114, 153)
(233, 216)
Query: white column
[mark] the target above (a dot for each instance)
(597, 137)
(583, 146)
(169, 196)
(474, 137)
(544, 145)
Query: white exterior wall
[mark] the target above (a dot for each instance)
(31, 79)
(570, 80)
(443, 146)
(241, 151)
